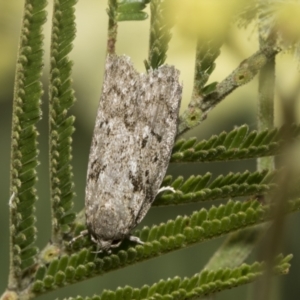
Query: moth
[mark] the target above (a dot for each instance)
(132, 142)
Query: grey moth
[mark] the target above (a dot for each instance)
(132, 142)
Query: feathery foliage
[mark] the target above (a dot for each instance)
(237, 144)
(201, 284)
(132, 10)
(61, 98)
(160, 34)
(199, 188)
(164, 238)
(206, 54)
(59, 264)
(24, 152)
(274, 16)
(201, 104)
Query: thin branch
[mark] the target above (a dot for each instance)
(200, 106)
(112, 12)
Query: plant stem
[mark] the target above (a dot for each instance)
(265, 114)
(112, 26)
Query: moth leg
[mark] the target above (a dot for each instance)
(107, 249)
(116, 245)
(166, 188)
(135, 239)
(82, 234)
(99, 250)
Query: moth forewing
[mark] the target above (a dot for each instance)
(131, 147)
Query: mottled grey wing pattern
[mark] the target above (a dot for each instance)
(159, 108)
(131, 147)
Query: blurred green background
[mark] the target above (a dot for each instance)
(89, 56)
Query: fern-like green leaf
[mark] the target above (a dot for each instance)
(61, 125)
(237, 144)
(201, 284)
(26, 113)
(132, 10)
(199, 188)
(206, 54)
(166, 237)
(159, 34)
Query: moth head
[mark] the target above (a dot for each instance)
(105, 245)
